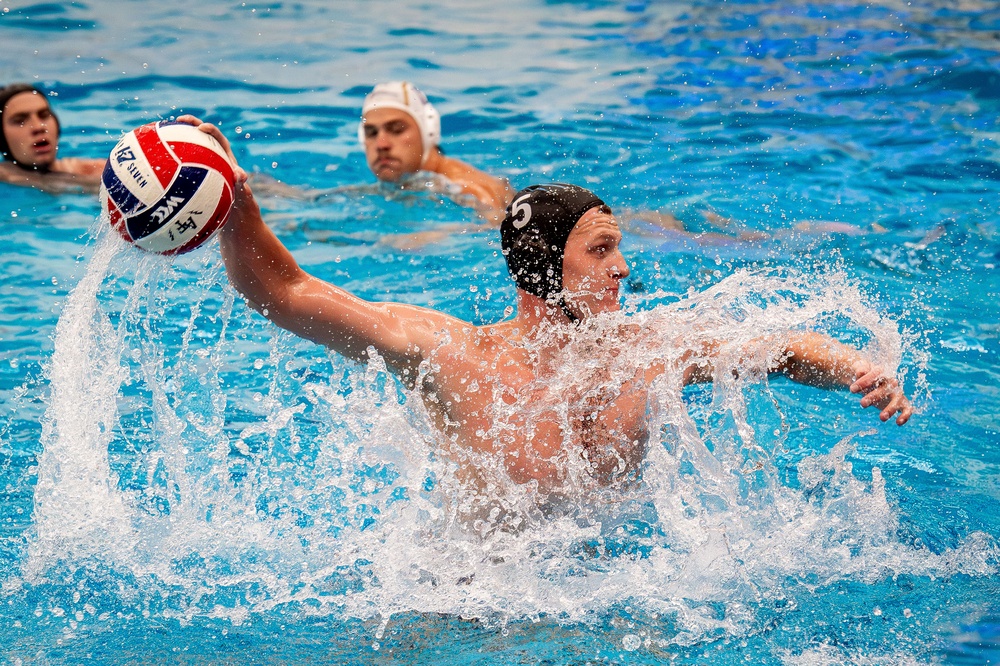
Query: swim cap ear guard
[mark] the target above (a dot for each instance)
(533, 236)
(6, 93)
(405, 97)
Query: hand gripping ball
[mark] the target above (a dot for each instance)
(167, 187)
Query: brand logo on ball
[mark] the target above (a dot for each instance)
(134, 171)
(182, 227)
(163, 212)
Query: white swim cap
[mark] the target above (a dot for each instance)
(405, 96)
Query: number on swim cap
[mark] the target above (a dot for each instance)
(519, 208)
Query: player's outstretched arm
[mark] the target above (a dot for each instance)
(818, 360)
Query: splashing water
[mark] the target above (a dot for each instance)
(208, 466)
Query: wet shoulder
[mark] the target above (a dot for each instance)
(487, 351)
(77, 166)
(488, 189)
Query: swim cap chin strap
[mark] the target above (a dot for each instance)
(533, 235)
(6, 94)
(404, 96)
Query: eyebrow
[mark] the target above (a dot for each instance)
(607, 236)
(387, 124)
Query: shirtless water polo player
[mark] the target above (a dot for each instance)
(400, 132)
(29, 142)
(484, 386)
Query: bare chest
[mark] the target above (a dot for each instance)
(539, 421)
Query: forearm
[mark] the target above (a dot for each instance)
(818, 360)
(271, 281)
(259, 266)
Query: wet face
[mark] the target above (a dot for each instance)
(31, 130)
(393, 146)
(593, 265)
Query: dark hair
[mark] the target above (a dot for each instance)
(6, 93)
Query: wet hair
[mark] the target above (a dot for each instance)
(534, 232)
(6, 93)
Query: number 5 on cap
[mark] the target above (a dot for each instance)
(517, 208)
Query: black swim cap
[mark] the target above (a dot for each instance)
(5, 94)
(533, 235)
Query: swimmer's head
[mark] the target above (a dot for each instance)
(29, 130)
(534, 232)
(388, 110)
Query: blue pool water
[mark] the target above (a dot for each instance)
(181, 482)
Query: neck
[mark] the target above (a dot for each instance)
(435, 161)
(36, 168)
(536, 318)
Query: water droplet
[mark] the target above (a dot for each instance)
(631, 642)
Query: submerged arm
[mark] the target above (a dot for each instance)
(53, 182)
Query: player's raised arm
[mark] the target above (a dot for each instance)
(270, 279)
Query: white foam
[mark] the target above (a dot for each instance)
(304, 479)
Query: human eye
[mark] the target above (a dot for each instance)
(370, 131)
(396, 128)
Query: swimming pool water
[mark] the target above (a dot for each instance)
(179, 481)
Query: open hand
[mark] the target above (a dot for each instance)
(881, 391)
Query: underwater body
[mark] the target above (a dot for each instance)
(181, 480)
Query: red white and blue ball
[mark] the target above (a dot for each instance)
(167, 187)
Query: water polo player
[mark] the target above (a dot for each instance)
(29, 142)
(487, 388)
(400, 132)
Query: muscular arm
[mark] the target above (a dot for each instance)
(271, 281)
(818, 360)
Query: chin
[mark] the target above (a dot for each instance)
(388, 175)
(596, 308)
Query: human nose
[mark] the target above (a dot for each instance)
(37, 123)
(382, 140)
(619, 269)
